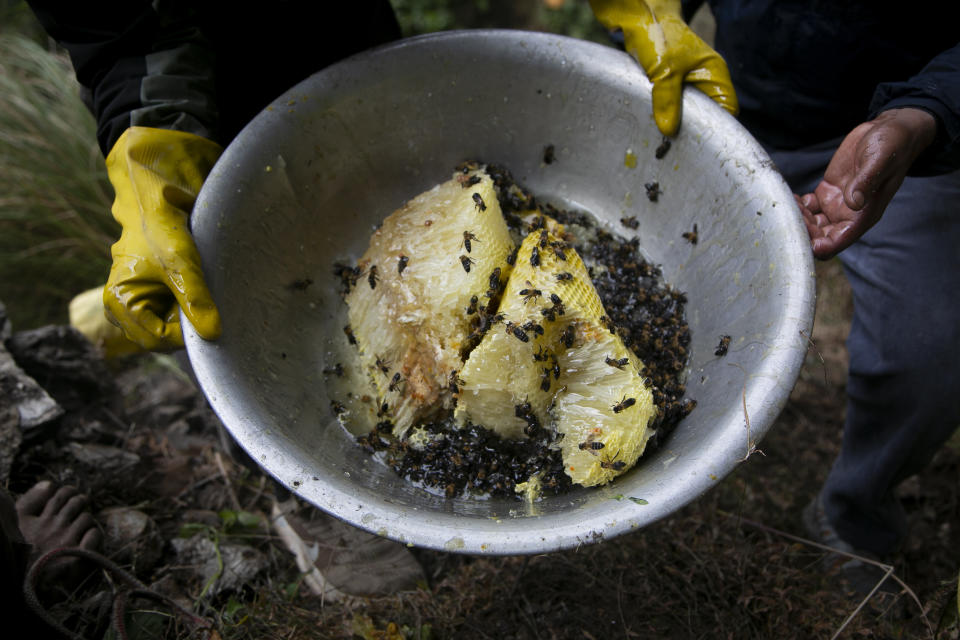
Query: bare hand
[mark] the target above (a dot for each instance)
(862, 178)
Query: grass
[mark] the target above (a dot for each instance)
(55, 222)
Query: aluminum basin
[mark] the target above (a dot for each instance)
(308, 179)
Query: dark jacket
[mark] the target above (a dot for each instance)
(808, 71)
(203, 67)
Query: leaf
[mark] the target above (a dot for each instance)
(638, 500)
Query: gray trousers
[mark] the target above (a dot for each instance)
(903, 392)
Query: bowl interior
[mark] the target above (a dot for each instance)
(304, 185)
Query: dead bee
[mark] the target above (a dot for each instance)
(337, 408)
(350, 337)
(529, 293)
(495, 279)
(663, 148)
(300, 285)
(558, 250)
(691, 236)
(619, 364)
(549, 313)
(383, 365)
(472, 308)
(348, 275)
(653, 191)
(395, 381)
(567, 336)
(545, 380)
(373, 277)
(512, 257)
(535, 257)
(478, 200)
(466, 262)
(402, 263)
(541, 355)
(630, 222)
(336, 370)
(549, 154)
(564, 276)
(383, 410)
(519, 333)
(625, 403)
(723, 346)
(467, 237)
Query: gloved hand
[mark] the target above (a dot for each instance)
(87, 316)
(157, 174)
(670, 52)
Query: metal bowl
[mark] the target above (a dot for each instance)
(307, 180)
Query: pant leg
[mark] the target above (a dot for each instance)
(903, 392)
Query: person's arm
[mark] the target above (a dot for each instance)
(152, 92)
(915, 131)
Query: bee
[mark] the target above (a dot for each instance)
(522, 410)
(402, 263)
(555, 299)
(590, 444)
(543, 238)
(472, 307)
(383, 410)
(469, 182)
(541, 355)
(723, 346)
(348, 275)
(467, 237)
(653, 191)
(455, 382)
(373, 277)
(619, 364)
(549, 154)
(512, 257)
(495, 279)
(395, 381)
(545, 380)
(352, 339)
(549, 313)
(466, 262)
(564, 276)
(383, 365)
(613, 463)
(337, 408)
(519, 333)
(556, 370)
(608, 323)
(478, 200)
(691, 236)
(567, 336)
(537, 223)
(663, 148)
(535, 257)
(336, 370)
(625, 403)
(530, 325)
(529, 293)
(630, 222)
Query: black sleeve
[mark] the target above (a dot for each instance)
(140, 69)
(936, 89)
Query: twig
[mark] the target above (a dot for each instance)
(226, 480)
(819, 355)
(751, 446)
(888, 569)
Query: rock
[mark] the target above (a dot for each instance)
(34, 406)
(103, 457)
(65, 364)
(131, 537)
(199, 554)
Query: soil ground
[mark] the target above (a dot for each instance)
(730, 565)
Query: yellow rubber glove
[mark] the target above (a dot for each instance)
(88, 317)
(157, 174)
(670, 52)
